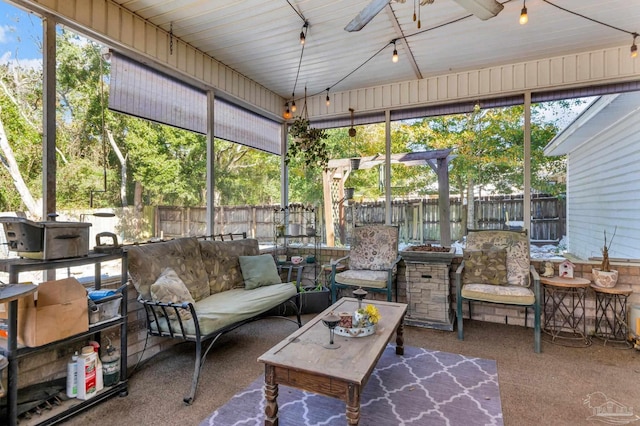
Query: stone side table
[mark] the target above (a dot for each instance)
(428, 295)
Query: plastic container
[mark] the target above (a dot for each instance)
(111, 365)
(99, 373)
(72, 376)
(87, 373)
(107, 308)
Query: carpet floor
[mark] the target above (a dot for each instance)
(549, 388)
(421, 387)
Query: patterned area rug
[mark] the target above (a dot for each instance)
(422, 387)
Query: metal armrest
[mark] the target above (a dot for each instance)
(290, 269)
(154, 310)
(335, 264)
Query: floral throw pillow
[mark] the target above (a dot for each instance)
(169, 288)
(486, 266)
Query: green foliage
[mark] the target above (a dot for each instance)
(170, 164)
(489, 148)
(307, 144)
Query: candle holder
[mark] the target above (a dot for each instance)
(331, 321)
(360, 294)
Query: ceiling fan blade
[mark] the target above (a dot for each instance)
(483, 9)
(366, 15)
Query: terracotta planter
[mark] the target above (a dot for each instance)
(604, 279)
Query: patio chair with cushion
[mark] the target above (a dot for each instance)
(372, 261)
(496, 269)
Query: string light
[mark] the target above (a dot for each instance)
(286, 114)
(293, 103)
(394, 58)
(524, 18)
(328, 99)
(634, 47)
(303, 32)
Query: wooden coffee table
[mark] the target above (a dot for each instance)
(301, 361)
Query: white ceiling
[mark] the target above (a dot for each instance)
(259, 38)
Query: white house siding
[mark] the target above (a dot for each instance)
(603, 191)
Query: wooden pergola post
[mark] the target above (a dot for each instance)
(438, 160)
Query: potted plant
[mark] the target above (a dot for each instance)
(605, 276)
(307, 144)
(314, 299)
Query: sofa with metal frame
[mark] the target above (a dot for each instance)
(203, 262)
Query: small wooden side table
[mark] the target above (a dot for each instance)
(564, 310)
(611, 314)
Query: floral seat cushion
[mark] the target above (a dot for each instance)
(360, 278)
(510, 294)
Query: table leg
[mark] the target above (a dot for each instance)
(271, 396)
(353, 404)
(400, 337)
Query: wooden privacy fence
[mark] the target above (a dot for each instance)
(418, 219)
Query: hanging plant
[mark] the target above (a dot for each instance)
(307, 143)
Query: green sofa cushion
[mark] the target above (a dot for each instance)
(228, 307)
(259, 271)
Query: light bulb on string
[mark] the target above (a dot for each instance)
(286, 114)
(293, 103)
(634, 47)
(328, 99)
(394, 58)
(524, 18)
(303, 35)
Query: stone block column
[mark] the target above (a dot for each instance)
(428, 295)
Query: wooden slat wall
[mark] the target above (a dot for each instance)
(564, 72)
(113, 25)
(117, 27)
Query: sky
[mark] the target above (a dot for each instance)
(20, 36)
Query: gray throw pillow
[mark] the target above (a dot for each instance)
(258, 271)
